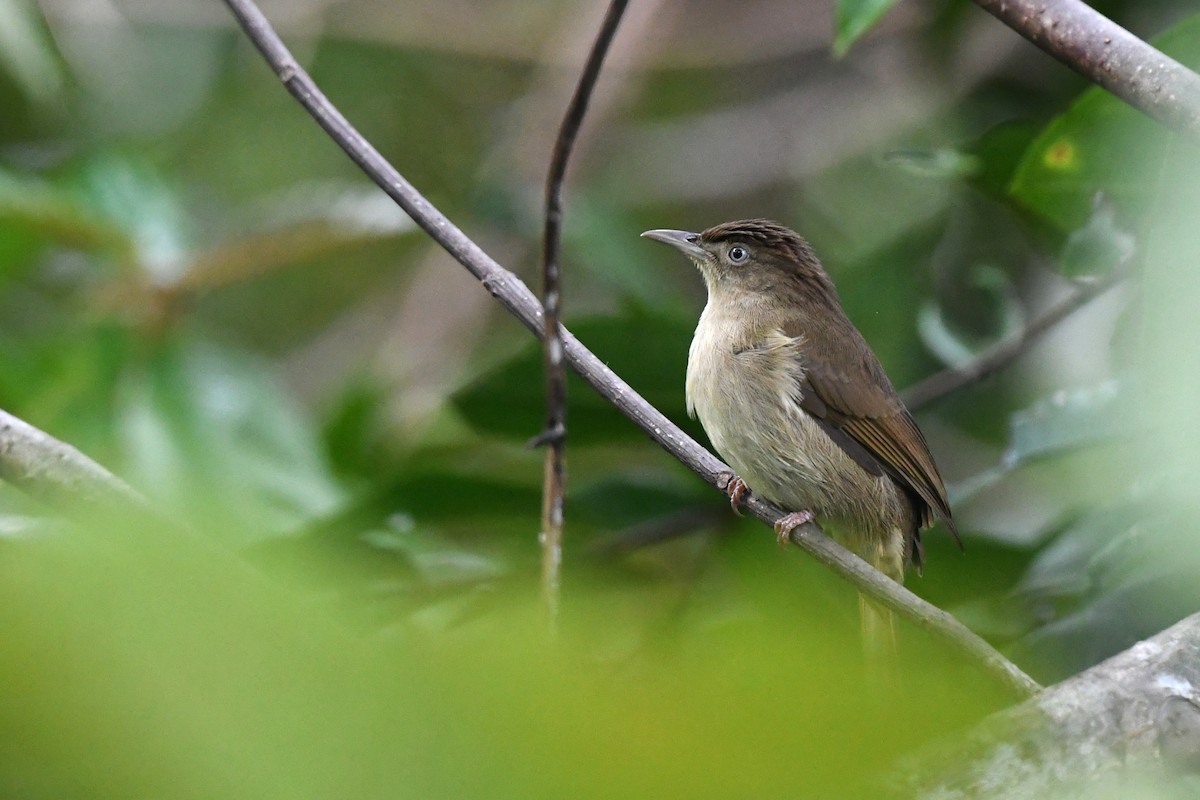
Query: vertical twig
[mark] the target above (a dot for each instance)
(555, 434)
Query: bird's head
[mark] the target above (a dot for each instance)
(756, 256)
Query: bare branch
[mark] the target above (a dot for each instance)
(47, 469)
(512, 293)
(1108, 55)
(938, 385)
(555, 434)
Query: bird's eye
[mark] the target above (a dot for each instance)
(738, 254)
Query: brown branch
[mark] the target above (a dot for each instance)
(555, 433)
(1108, 55)
(512, 293)
(936, 386)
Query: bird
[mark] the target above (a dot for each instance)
(793, 398)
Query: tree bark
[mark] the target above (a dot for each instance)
(1136, 713)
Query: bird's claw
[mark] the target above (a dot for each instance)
(788, 523)
(737, 489)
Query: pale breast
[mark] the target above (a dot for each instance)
(745, 389)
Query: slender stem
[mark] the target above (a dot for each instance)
(555, 433)
(936, 386)
(1108, 55)
(515, 296)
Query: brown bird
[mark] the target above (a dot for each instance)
(793, 398)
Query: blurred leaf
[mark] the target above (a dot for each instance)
(1067, 419)
(1099, 247)
(127, 190)
(27, 52)
(34, 206)
(598, 239)
(1100, 145)
(436, 560)
(1109, 622)
(853, 18)
(615, 501)
(356, 431)
(310, 222)
(444, 496)
(650, 352)
(209, 433)
(282, 701)
(999, 153)
(1060, 570)
(957, 347)
(942, 163)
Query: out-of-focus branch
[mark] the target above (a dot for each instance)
(555, 434)
(512, 293)
(1138, 709)
(1108, 55)
(47, 469)
(939, 384)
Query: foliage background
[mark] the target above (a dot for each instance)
(200, 291)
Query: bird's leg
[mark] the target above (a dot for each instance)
(735, 487)
(788, 523)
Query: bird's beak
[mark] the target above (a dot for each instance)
(685, 241)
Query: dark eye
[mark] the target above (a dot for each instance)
(738, 254)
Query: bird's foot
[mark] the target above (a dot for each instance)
(736, 488)
(788, 523)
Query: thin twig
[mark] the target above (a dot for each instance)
(938, 385)
(515, 296)
(555, 433)
(1108, 55)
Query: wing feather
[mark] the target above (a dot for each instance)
(857, 405)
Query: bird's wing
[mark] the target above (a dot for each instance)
(854, 403)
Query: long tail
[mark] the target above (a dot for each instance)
(878, 622)
(878, 631)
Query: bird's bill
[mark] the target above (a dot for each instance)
(684, 241)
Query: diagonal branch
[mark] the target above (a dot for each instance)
(1108, 55)
(516, 298)
(555, 434)
(47, 469)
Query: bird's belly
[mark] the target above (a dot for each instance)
(754, 420)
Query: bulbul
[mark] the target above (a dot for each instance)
(792, 397)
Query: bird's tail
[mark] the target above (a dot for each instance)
(878, 622)
(878, 631)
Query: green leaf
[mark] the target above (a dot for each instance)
(1066, 420)
(853, 18)
(27, 53)
(209, 434)
(32, 206)
(955, 346)
(1100, 145)
(131, 193)
(941, 163)
(1099, 247)
(649, 352)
